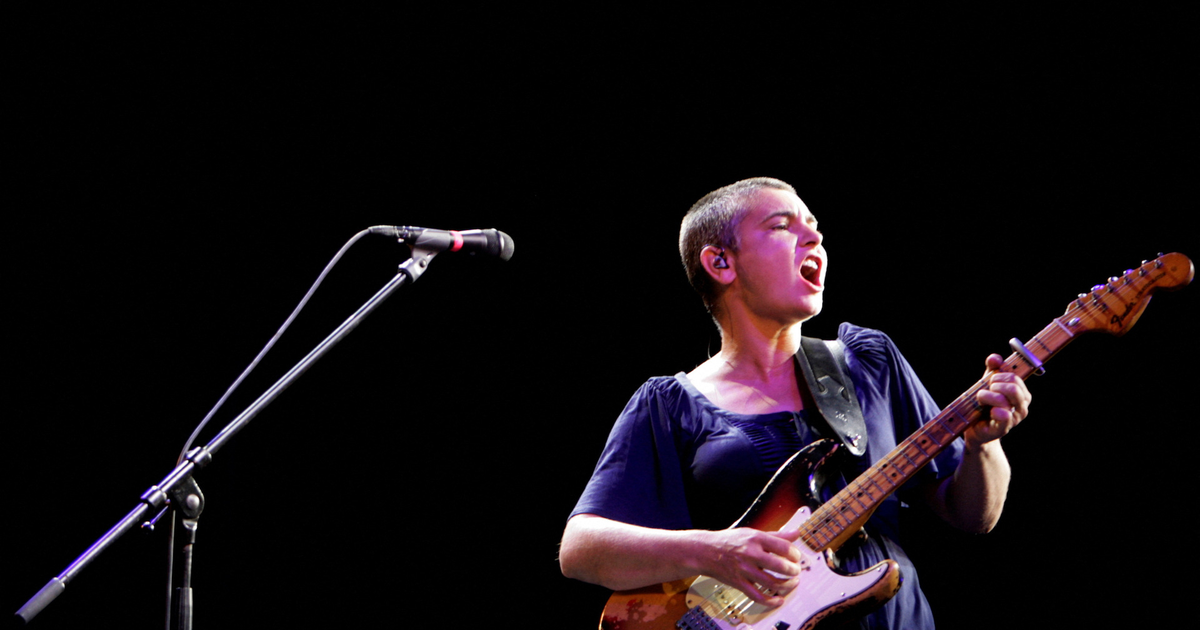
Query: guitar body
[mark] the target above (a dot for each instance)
(789, 502)
(702, 602)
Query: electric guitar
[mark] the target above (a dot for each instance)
(788, 502)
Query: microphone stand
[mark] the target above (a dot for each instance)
(188, 501)
(178, 488)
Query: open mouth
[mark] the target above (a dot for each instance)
(810, 270)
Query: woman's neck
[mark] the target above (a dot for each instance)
(754, 371)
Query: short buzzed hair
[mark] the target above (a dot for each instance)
(713, 221)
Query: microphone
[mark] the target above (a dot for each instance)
(488, 242)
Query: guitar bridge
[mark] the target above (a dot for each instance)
(696, 619)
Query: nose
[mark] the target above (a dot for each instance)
(810, 236)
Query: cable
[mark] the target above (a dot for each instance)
(249, 368)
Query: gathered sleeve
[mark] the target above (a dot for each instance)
(639, 478)
(894, 401)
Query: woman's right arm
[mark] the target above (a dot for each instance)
(621, 556)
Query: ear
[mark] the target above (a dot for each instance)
(718, 263)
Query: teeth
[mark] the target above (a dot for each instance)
(808, 269)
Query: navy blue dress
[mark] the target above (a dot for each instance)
(674, 460)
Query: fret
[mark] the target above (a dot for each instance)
(973, 411)
(871, 477)
(883, 485)
(858, 495)
(889, 476)
(940, 431)
(920, 443)
(830, 523)
(956, 418)
(815, 539)
(911, 462)
(845, 515)
(897, 461)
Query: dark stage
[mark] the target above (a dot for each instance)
(183, 177)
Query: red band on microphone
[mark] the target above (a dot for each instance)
(458, 241)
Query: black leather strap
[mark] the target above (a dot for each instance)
(827, 375)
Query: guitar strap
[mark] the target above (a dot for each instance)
(827, 375)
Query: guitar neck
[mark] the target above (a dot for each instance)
(840, 517)
(1112, 307)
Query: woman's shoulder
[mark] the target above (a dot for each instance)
(867, 344)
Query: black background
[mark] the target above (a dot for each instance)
(182, 176)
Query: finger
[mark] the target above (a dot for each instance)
(1015, 396)
(1010, 385)
(754, 594)
(761, 586)
(789, 535)
(1001, 418)
(993, 362)
(749, 588)
(779, 565)
(772, 585)
(1003, 377)
(781, 544)
(991, 398)
(775, 555)
(770, 592)
(1005, 394)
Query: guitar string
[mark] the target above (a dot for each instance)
(953, 414)
(828, 514)
(825, 517)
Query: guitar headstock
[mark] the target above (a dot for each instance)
(1115, 306)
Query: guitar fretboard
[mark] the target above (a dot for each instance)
(1112, 307)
